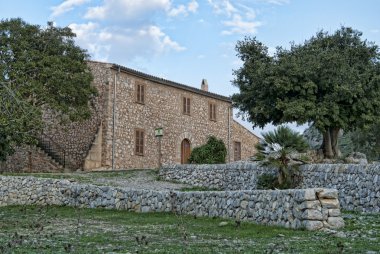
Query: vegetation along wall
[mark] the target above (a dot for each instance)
(358, 185)
(309, 208)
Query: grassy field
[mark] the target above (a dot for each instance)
(30, 229)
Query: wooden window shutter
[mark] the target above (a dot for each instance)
(139, 142)
(212, 111)
(140, 93)
(186, 105)
(237, 151)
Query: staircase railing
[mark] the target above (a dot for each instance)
(54, 150)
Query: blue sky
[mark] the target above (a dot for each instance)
(188, 40)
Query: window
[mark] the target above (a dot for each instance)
(237, 151)
(140, 93)
(212, 111)
(139, 142)
(186, 105)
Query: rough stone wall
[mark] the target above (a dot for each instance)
(358, 185)
(162, 108)
(232, 176)
(312, 209)
(246, 138)
(77, 137)
(29, 159)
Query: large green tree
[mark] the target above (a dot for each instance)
(331, 81)
(41, 69)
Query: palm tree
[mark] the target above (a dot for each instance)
(280, 147)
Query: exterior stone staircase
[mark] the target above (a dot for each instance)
(54, 151)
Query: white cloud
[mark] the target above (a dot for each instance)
(238, 26)
(375, 31)
(278, 2)
(223, 7)
(184, 10)
(120, 44)
(181, 9)
(126, 9)
(66, 6)
(241, 17)
(193, 6)
(83, 30)
(124, 30)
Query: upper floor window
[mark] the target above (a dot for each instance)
(212, 111)
(139, 142)
(186, 105)
(140, 93)
(237, 151)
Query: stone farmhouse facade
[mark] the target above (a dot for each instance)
(127, 112)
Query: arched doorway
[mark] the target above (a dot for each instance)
(185, 151)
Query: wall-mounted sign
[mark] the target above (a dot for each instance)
(158, 132)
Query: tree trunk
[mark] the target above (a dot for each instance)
(334, 134)
(330, 144)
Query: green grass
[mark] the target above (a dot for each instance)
(31, 229)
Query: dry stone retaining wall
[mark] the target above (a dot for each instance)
(29, 159)
(233, 176)
(308, 208)
(358, 185)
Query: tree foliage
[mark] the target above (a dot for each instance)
(41, 69)
(331, 81)
(278, 148)
(213, 152)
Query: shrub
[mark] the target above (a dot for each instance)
(267, 182)
(213, 152)
(280, 148)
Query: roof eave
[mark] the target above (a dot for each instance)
(170, 83)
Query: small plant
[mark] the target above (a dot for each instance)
(213, 152)
(280, 148)
(267, 182)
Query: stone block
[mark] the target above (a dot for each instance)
(327, 194)
(244, 204)
(315, 204)
(312, 225)
(330, 203)
(335, 222)
(334, 212)
(312, 214)
(310, 194)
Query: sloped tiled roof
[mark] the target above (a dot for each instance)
(170, 83)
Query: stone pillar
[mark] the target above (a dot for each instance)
(94, 157)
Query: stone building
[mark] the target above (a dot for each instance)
(131, 107)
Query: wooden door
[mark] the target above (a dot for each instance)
(185, 151)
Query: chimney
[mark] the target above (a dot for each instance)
(204, 85)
